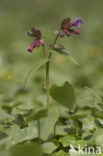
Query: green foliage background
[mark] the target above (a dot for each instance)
(17, 17)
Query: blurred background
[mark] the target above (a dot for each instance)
(17, 17)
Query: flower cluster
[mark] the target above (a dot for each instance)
(67, 27)
(38, 41)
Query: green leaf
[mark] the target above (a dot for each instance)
(26, 150)
(47, 123)
(97, 138)
(77, 154)
(64, 95)
(60, 129)
(4, 116)
(67, 140)
(68, 55)
(35, 66)
(85, 99)
(12, 130)
(87, 135)
(94, 94)
(37, 115)
(89, 123)
(82, 143)
(25, 134)
(73, 60)
(48, 147)
(70, 140)
(97, 113)
(99, 122)
(18, 135)
(3, 135)
(61, 153)
(80, 113)
(61, 52)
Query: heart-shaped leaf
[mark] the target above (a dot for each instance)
(64, 95)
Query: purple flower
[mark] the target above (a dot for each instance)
(38, 41)
(67, 27)
(77, 22)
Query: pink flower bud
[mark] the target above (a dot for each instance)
(37, 43)
(76, 32)
(31, 47)
(66, 32)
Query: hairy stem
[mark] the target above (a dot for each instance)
(51, 46)
(47, 78)
(55, 39)
(47, 84)
(45, 54)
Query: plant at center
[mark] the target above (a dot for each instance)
(67, 28)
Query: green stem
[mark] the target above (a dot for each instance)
(45, 54)
(47, 73)
(54, 42)
(54, 130)
(55, 39)
(47, 78)
(47, 84)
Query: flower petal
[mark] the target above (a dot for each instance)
(77, 22)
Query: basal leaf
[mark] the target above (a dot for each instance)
(97, 113)
(88, 123)
(47, 123)
(18, 135)
(61, 153)
(67, 140)
(4, 116)
(60, 130)
(97, 138)
(48, 147)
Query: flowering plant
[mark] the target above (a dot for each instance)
(67, 28)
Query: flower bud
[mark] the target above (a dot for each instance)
(76, 32)
(31, 47)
